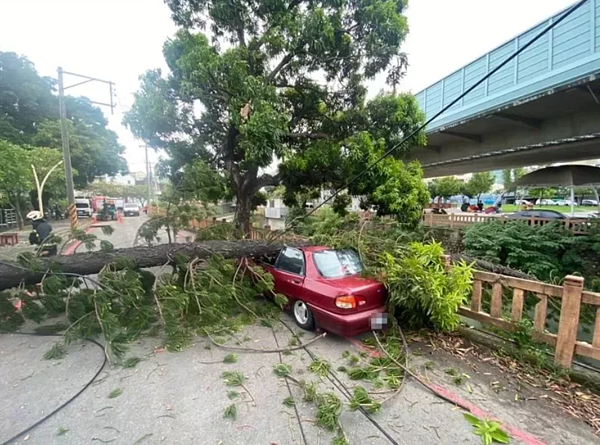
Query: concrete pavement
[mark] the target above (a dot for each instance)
(176, 399)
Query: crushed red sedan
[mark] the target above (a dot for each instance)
(326, 289)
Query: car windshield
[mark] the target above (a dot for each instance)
(131, 206)
(82, 205)
(337, 263)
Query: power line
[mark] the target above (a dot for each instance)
(438, 114)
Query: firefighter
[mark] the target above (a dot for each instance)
(41, 234)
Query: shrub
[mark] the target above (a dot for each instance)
(539, 251)
(421, 291)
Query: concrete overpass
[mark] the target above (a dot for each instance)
(541, 108)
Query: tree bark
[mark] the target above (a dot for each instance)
(92, 262)
(242, 213)
(17, 208)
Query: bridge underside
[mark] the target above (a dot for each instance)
(561, 125)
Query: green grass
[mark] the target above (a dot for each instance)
(510, 208)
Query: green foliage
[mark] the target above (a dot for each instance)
(421, 292)
(62, 431)
(233, 395)
(362, 373)
(282, 370)
(131, 362)
(280, 300)
(230, 412)
(29, 117)
(339, 439)
(289, 402)
(252, 71)
(543, 252)
(10, 319)
(445, 187)
(115, 393)
(361, 399)
(319, 366)
(329, 408)
(233, 378)
(310, 391)
(522, 336)
(488, 430)
(230, 358)
(511, 175)
(57, 352)
(480, 183)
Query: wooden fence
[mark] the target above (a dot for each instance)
(461, 220)
(570, 294)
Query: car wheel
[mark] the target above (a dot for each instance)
(303, 315)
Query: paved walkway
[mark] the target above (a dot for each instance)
(179, 399)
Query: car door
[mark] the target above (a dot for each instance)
(289, 271)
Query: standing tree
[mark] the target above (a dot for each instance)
(29, 116)
(16, 175)
(446, 187)
(509, 176)
(267, 81)
(480, 183)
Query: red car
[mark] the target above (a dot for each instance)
(325, 288)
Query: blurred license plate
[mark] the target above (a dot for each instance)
(379, 321)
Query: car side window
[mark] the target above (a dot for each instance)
(549, 215)
(291, 260)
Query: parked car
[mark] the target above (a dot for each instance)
(325, 288)
(523, 202)
(568, 203)
(589, 202)
(545, 214)
(547, 202)
(131, 208)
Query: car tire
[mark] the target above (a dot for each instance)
(303, 315)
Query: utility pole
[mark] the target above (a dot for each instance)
(148, 182)
(64, 132)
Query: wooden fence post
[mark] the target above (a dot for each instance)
(569, 321)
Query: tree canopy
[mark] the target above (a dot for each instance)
(480, 183)
(445, 187)
(253, 83)
(16, 175)
(29, 117)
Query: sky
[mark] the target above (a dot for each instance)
(118, 40)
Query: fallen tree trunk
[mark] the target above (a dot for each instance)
(492, 267)
(145, 256)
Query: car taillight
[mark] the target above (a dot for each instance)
(346, 302)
